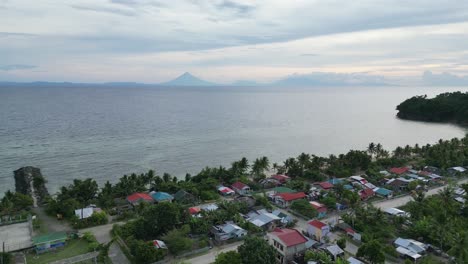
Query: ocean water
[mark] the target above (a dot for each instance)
(104, 132)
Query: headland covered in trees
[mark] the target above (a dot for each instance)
(446, 107)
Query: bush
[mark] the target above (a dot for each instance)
(177, 240)
(98, 218)
(144, 252)
(304, 208)
(208, 195)
(93, 246)
(89, 237)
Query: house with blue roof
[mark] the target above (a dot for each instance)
(162, 197)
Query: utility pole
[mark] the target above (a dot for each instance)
(3, 251)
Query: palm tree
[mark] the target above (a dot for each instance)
(371, 149)
(243, 165)
(303, 160)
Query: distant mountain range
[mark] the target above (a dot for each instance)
(187, 79)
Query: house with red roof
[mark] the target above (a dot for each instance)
(321, 209)
(325, 185)
(318, 230)
(366, 194)
(240, 188)
(225, 191)
(285, 199)
(282, 179)
(137, 198)
(287, 243)
(399, 171)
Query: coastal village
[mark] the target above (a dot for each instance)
(361, 218)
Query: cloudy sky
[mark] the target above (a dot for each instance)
(228, 40)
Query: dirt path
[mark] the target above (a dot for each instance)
(51, 223)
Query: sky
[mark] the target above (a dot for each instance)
(225, 41)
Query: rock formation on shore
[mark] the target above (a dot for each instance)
(29, 181)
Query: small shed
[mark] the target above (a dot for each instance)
(48, 242)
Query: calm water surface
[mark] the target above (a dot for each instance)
(104, 133)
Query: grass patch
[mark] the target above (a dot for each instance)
(73, 248)
(39, 226)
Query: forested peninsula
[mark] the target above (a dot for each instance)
(446, 107)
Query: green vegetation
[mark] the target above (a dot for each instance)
(304, 208)
(372, 251)
(230, 257)
(257, 250)
(177, 240)
(6, 258)
(14, 202)
(318, 256)
(73, 248)
(446, 107)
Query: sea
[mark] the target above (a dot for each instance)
(105, 132)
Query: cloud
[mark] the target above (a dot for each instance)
(101, 9)
(260, 40)
(444, 78)
(13, 67)
(331, 78)
(238, 8)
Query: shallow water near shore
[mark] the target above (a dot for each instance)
(103, 132)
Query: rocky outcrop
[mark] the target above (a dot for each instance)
(29, 181)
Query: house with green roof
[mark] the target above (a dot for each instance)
(184, 197)
(283, 190)
(48, 242)
(384, 192)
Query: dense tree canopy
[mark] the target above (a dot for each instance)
(256, 250)
(446, 107)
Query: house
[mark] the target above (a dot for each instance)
(285, 219)
(227, 231)
(366, 194)
(397, 184)
(84, 213)
(383, 192)
(158, 244)
(318, 230)
(225, 191)
(334, 251)
(160, 197)
(282, 179)
(395, 212)
(137, 198)
(432, 169)
(287, 243)
(263, 219)
(352, 260)
(456, 170)
(209, 207)
(325, 185)
(285, 199)
(399, 170)
(49, 242)
(241, 188)
(184, 197)
(411, 245)
(194, 211)
(321, 209)
(358, 179)
(408, 254)
(335, 181)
